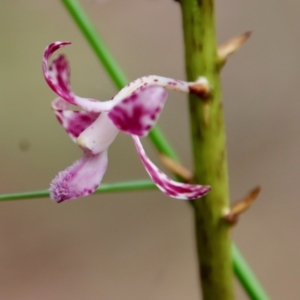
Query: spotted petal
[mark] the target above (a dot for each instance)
(74, 122)
(164, 183)
(80, 179)
(137, 113)
(58, 78)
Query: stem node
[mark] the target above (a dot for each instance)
(201, 88)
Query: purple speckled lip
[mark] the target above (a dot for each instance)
(133, 110)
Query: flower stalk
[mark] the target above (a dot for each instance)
(209, 151)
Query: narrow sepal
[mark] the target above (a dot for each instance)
(168, 186)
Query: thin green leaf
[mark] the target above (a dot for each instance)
(104, 188)
(246, 277)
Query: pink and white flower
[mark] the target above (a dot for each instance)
(133, 110)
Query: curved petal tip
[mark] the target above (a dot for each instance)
(50, 49)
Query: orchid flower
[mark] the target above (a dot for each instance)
(133, 110)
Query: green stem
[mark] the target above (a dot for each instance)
(111, 66)
(104, 188)
(248, 280)
(209, 149)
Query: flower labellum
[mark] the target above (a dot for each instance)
(133, 110)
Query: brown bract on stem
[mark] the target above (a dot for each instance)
(241, 206)
(232, 46)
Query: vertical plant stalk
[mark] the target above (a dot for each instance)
(209, 151)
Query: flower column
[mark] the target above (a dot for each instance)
(209, 150)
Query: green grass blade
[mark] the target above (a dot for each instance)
(94, 40)
(246, 277)
(103, 188)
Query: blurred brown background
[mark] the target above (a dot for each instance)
(140, 245)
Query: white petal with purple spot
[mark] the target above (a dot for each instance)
(168, 186)
(58, 78)
(74, 122)
(138, 113)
